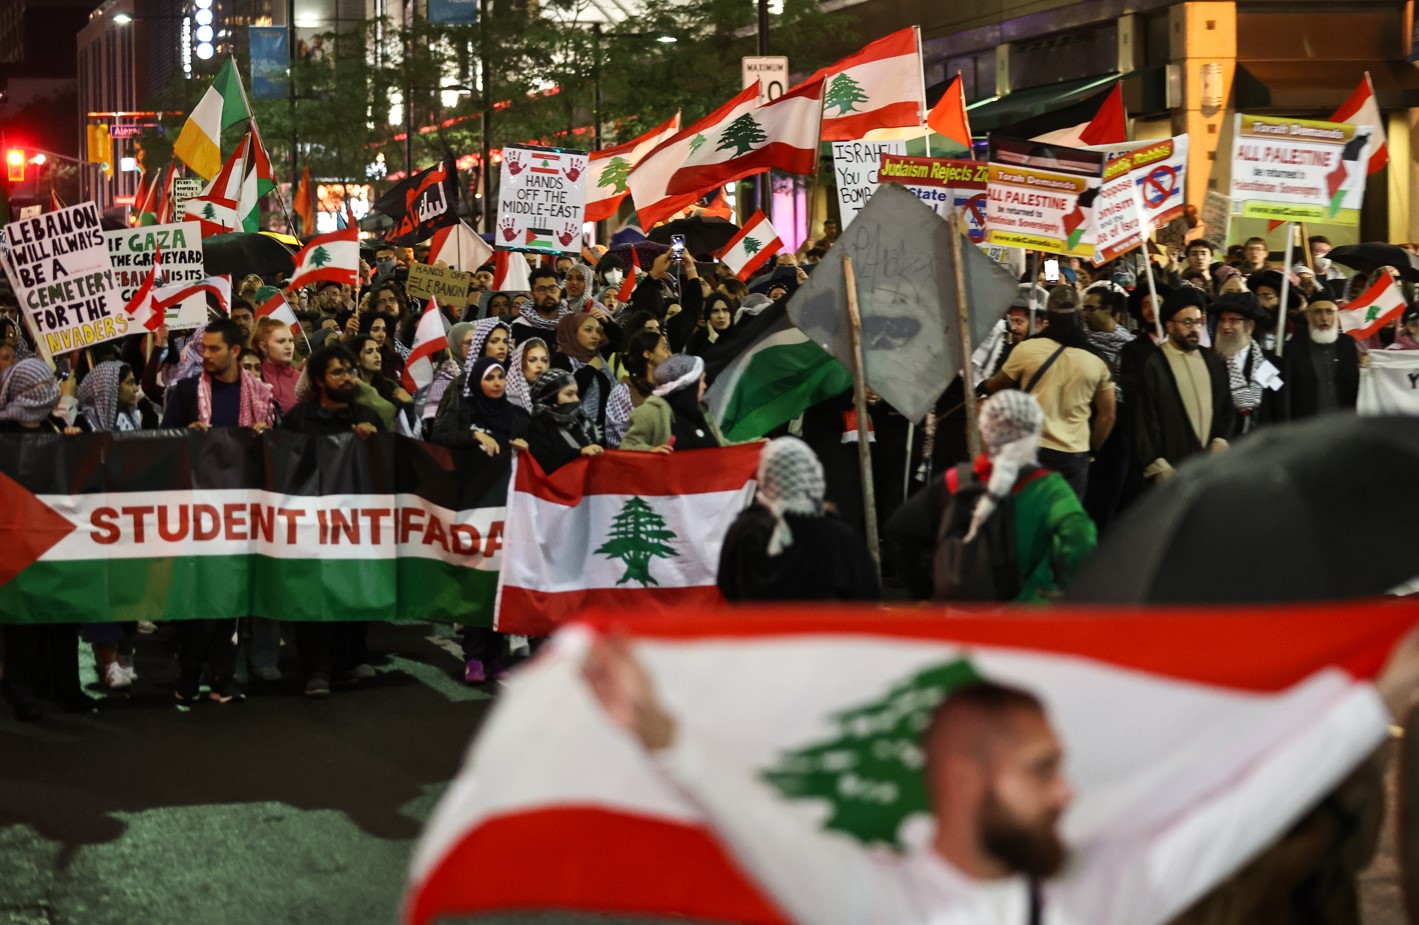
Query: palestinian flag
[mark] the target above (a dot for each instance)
(793, 789)
(751, 248)
(539, 237)
(638, 532)
(1376, 307)
(104, 527)
(766, 373)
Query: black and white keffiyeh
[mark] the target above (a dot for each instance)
(1011, 424)
(790, 482)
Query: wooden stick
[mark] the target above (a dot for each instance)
(963, 330)
(859, 398)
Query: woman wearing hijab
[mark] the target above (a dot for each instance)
(479, 413)
(528, 362)
(716, 321)
(787, 546)
(459, 346)
(580, 344)
(560, 431)
(674, 417)
(580, 283)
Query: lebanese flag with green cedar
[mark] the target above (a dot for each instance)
(794, 792)
(635, 531)
(1376, 307)
(748, 250)
(334, 257)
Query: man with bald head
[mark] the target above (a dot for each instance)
(994, 773)
(1321, 371)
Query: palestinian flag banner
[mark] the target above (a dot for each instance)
(751, 248)
(113, 527)
(767, 372)
(639, 532)
(1376, 307)
(793, 789)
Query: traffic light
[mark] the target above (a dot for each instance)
(15, 165)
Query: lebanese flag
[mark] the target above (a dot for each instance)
(649, 182)
(429, 338)
(1361, 109)
(216, 207)
(748, 250)
(142, 308)
(1109, 125)
(460, 247)
(164, 210)
(879, 87)
(636, 532)
(334, 257)
(219, 287)
(608, 169)
(628, 285)
(1192, 738)
(948, 117)
(782, 133)
(277, 307)
(510, 272)
(1375, 308)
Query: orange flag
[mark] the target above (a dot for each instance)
(948, 116)
(305, 202)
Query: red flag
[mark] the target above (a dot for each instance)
(628, 287)
(880, 86)
(1110, 126)
(304, 202)
(948, 117)
(141, 307)
(1361, 109)
(429, 339)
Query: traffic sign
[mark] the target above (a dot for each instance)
(771, 72)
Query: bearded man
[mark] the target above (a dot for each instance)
(1322, 368)
(1252, 372)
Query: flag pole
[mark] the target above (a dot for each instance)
(963, 326)
(859, 400)
(1285, 290)
(256, 134)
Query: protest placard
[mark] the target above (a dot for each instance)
(944, 184)
(1043, 196)
(183, 189)
(542, 201)
(130, 251)
(855, 166)
(61, 272)
(1389, 383)
(1217, 219)
(447, 285)
(1142, 191)
(1298, 170)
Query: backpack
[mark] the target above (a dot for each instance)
(986, 567)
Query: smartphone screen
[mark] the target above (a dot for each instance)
(677, 246)
(1051, 270)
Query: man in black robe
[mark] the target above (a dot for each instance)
(1322, 367)
(1184, 396)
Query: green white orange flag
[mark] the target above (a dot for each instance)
(223, 105)
(751, 248)
(608, 169)
(793, 789)
(1377, 306)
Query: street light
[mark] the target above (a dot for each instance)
(122, 19)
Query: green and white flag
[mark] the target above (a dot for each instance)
(223, 105)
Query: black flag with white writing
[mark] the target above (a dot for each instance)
(422, 204)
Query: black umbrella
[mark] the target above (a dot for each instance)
(703, 234)
(241, 253)
(1305, 512)
(1369, 257)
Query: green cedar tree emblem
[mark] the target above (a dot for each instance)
(872, 773)
(1373, 313)
(696, 142)
(844, 93)
(638, 534)
(742, 134)
(752, 246)
(209, 213)
(320, 256)
(615, 174)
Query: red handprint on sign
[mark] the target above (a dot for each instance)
(568, 233)
(574, 169)
(514, 162)
(509, 227)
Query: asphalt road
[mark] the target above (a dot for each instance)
(275, 810)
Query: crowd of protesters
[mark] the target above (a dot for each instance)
(1106, 383)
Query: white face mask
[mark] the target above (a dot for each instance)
(613, 277)
(1322, 263)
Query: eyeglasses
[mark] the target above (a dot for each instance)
(547, 289)
(1189, 322)
(339, 372)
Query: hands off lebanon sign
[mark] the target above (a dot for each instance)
(542, 200)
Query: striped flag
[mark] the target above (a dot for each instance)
(751, 248)
(460, 247)
(223, 105)
(878, 87)
(948, 117)
(256, 183)
(333, 257)
(1375, 308)
(510, 272)
(278, 308)
(142, 307)
(218, 287)
(303, 202)
(429, 338)
(794, 791)
(1361, 109)
(628, 285)
(766, 372)
(607, 170)
(638, 532)
(780, 134)
(216, 208)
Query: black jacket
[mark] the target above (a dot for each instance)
(310, 417)
(1163, 430)
(1300, 392)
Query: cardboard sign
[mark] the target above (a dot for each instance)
(1217, 219)
(542, 200)
(1297, 170)
(855, 166)
(180, 248)
(1142, 191)
(1043, 196)
(60, 270)
(183, 189)
(445, 284)
(945, 185)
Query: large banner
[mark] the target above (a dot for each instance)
(58, 263)
(1297, 170)
(270, 62)
(1043, 197)
(1389, 383)
(421, 204)
(1142, 191)
(542, 199)
(179, 250)
(945, 185)
(171, 526)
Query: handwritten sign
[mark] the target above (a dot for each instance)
(855, 166)
(447, 285)
(945, 185)
(179, 245)
(542, 202)
(1298, 170)
(1142, 191)
(61, 272)
(1217, 219)
(183, 189)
